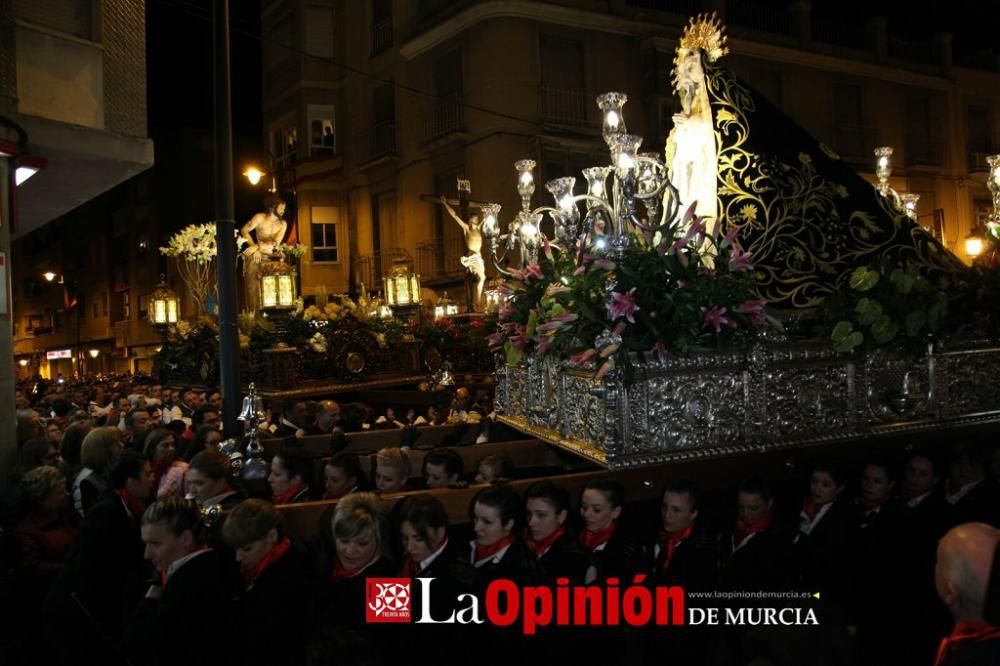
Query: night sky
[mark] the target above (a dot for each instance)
(180, 84)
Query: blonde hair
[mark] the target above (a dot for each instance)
(99, 447)
(357, 512)
(394, 457)
(38, 484)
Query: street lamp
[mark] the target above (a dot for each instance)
(49, 276)
(23, 363)
(94, 353)
(974, 243)
(164, 306)
(253, 174)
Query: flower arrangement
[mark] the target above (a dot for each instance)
(681, 290)
(194, 247)
(293, 251)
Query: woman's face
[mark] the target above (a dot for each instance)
(278, 478)
(337, 483)
(875, 483)
(165, 451)
(389, 478)
(823, 488)
(252, 553)
(596, 510)
(355, 552)
(542, 518)
(416, 546)
(488, 526)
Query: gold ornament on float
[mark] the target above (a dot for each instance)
(703, 32)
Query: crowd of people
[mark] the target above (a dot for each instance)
(109, 559)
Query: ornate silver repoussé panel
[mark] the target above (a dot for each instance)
(769, 396)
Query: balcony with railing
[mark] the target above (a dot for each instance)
(910, 50)
(758, 17)
(683, 7)
(381, 36)
(382, 140)
(447, 116)
(441, 257)
(838, 33)
(977, 160)
(370, 268)
(564, 106)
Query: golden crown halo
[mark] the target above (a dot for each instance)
(703, 32)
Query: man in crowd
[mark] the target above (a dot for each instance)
(964, 559)
(137, 426)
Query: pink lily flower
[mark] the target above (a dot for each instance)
(543, 345)
(533, 270)
(694, 232)
(715, 316)
(739, 260)
(730, 236)
(660, 351)
(623, 305)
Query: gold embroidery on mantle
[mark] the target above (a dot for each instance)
(804, 232)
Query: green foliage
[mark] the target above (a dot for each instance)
(882, 305)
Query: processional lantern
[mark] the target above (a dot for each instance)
(445, 307)
(164, 306)
(277, 285)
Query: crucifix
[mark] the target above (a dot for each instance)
(471, 225)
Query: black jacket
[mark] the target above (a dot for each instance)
(283, 594)
(765, 562)
(694, 564)
(182, 627)
(567, 558)
(101, 581)
(518, 564)
(822, 556)
(622, 557)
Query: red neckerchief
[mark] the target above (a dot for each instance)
(286, 497)
(812, 508)
(743, 530)
(539, 548)
(594, 539)
(965, 632)
(134, 505)
(669, 541)
(484, 552)
(340, 573)
(272, 557)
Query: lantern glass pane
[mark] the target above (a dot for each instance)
(268, 291)
(172, 311)
(402, 292)
(286, 290)
(159, 312)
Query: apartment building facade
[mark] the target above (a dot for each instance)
(373, 109)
